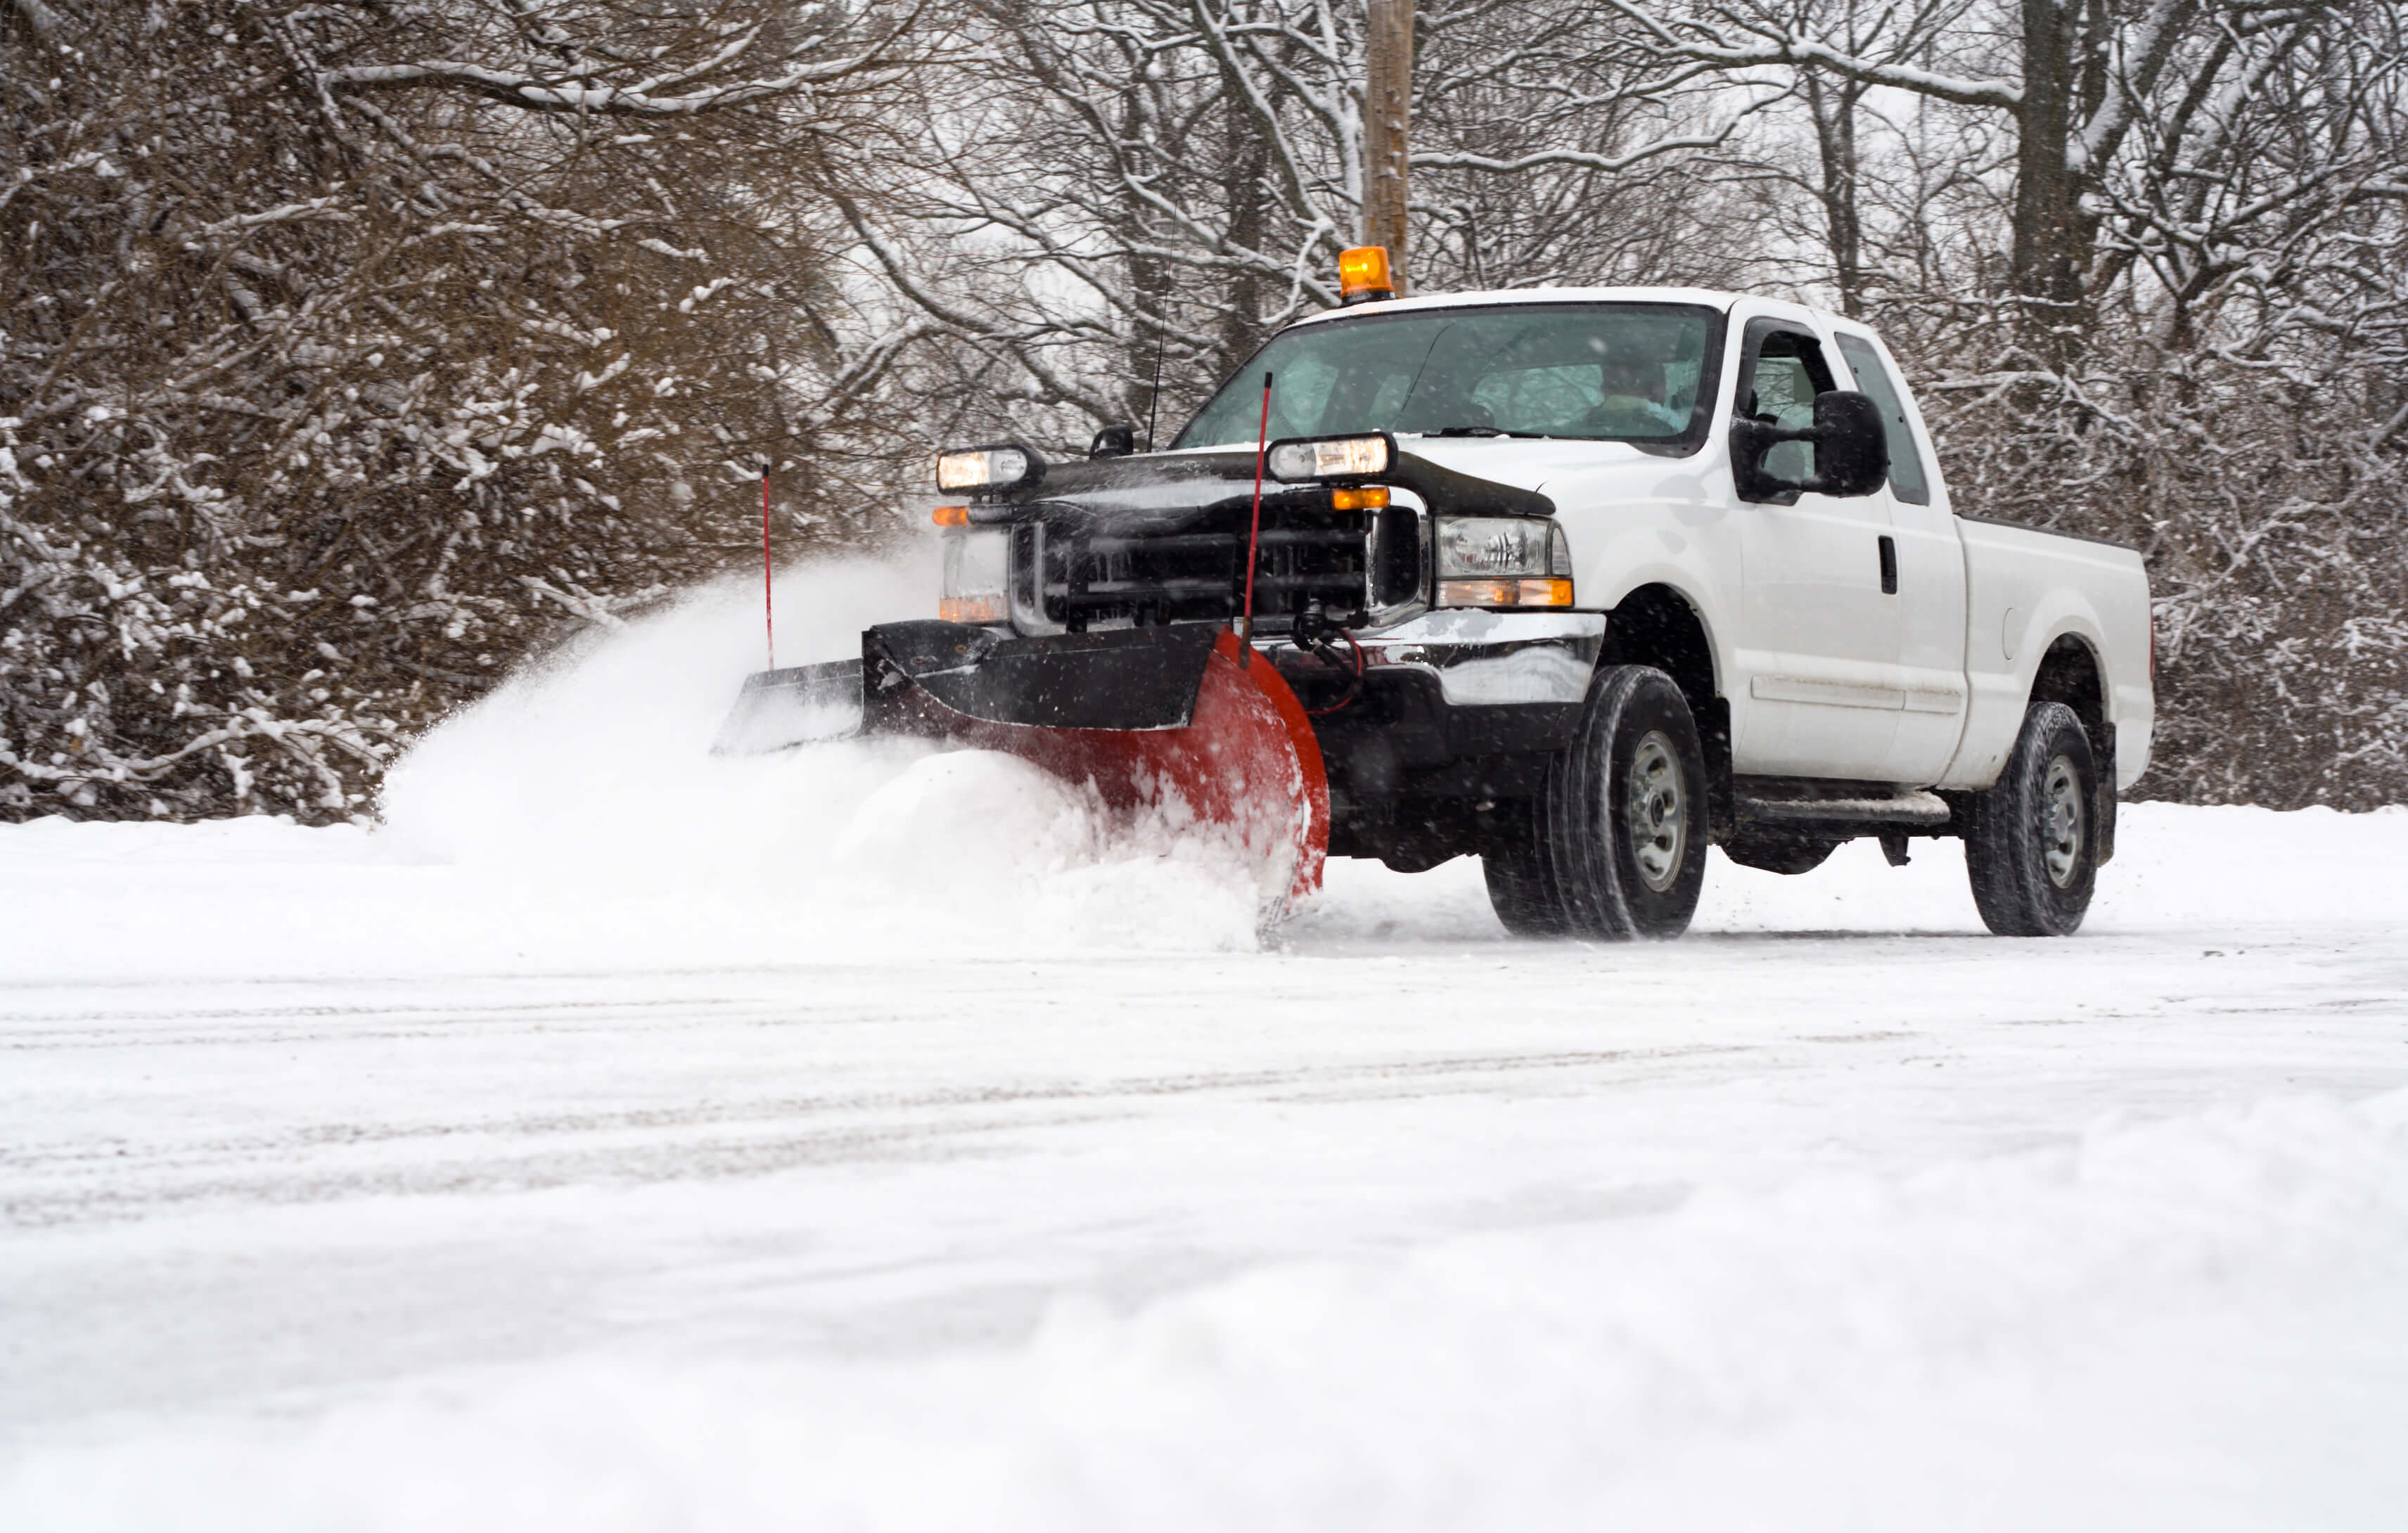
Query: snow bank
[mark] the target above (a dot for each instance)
(2191, 1323)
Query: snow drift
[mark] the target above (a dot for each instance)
(2015, 1344)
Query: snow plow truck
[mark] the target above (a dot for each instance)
(1578, 581)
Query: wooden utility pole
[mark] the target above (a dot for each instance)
(1388, 107)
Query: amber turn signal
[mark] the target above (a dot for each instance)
(1363, 274)
(950, 516)
(1364, 497)
(970, 609)
(1554, 593)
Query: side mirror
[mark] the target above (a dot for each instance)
(1851, 450)
(1114, 442)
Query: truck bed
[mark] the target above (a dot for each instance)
(2023, 583)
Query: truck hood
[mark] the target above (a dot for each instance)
(1535, 466)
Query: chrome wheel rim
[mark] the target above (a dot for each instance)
(2061, 829)
(1655, 812)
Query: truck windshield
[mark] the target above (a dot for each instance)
(1605, 372)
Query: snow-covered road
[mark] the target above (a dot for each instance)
(514, 1167)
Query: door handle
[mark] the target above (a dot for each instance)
(1888, 566)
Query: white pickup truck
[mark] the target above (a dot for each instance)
(1581, 581)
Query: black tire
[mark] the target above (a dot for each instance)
(1775, 851)
(1522, 889)
(1614, 847)
(2031, 848)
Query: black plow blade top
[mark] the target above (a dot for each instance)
(1121, 679)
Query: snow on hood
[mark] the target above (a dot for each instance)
(1616, 468)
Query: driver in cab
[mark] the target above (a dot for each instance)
(1633, 387)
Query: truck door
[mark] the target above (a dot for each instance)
(1818, 640)
(1931, 570)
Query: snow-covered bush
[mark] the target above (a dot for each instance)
(350, 351)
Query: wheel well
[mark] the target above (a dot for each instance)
(2069, 674)
(1656, 625)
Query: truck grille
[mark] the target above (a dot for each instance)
(1071, 576)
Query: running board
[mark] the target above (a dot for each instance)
(1912, 806)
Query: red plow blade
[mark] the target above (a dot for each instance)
(1247, 764)
(1180, 721)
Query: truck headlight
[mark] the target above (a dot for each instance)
(1503, 561)
(978, 574)
(1002, 467)
(1330, 457)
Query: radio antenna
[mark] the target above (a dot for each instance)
(1154, 408)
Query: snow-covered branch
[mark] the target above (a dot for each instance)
(1760, 41)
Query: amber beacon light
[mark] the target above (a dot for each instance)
(1363, 275)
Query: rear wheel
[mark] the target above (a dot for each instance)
(2031, 850)
(1615, 846)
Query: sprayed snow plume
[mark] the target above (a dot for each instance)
(586, 787)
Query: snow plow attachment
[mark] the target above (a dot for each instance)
(1181, 720)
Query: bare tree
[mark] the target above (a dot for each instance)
(2077, 81)
(1128, 188)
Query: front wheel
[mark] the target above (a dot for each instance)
(1615, 846)
(2031, 850)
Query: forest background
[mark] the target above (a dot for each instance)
(353, 350)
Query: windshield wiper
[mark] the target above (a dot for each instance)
(1483, 431)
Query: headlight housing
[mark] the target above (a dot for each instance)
(978, 577)
(1005, 465)
(1503, 561)
(1330, 457)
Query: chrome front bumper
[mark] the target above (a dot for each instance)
(1480, 659)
